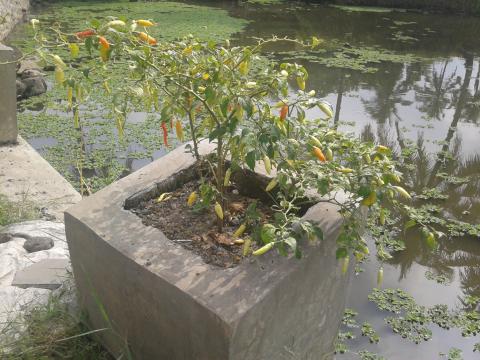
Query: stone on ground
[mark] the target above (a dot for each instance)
(26, 279)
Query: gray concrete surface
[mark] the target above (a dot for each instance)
(166, 303)
(8, 96)
(24, 174)
(12, 12)
(45, 274)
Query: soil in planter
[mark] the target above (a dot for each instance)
(197, 230)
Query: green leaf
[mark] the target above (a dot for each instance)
(250, 160)
(341, 253)
(409, 224)
(290, 241)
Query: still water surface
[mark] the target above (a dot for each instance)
(425, 93)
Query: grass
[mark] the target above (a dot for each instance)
(13, 212)
(50, 331)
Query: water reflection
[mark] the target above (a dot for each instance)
(430, 104)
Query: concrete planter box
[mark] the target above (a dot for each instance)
(166, 303)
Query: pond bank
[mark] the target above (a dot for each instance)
(471, 7)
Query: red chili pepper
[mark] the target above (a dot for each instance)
(165, 134)
(283, 112)
(84, 34)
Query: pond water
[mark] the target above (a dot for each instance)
(407, 80)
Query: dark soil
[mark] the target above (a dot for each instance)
(197, 230)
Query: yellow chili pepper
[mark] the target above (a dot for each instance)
(329, 154)
(402, 192)
(246, 246)
(219, 210)
(192, 198)
(243, 67)
(59, 75)
(228, 174)
(271, 185)
(241, 229)
(267, 164)
(326, 110)
(301, 83)
(145, 23)
(370, 199)
(264, 249)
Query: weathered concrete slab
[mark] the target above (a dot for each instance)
(166, 303)
(8, 96)
(25, 174)
(45, 274)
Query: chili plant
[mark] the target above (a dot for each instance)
(254, 111)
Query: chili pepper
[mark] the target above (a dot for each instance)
(74, 50)
(104, 54)
(145, 23)
(165, 134)
(192, 198)
(402, 192)
(344, 170)
(116, 23)
(267, 164)
(59, 75)
(271, 185)
(315, 141)
(283, 112)
(243, 68)
(84, 34)
(219, 210)
(382, 217)
(383, 149)
(103, 42)
(147, 38)
(241, 229)
(370, 199)
(246, 246)
(179, 130)
(367, 158)
(226, 180)
(164, 196)
(329, 154)
(326, 109)
(58, 61)
(264, 249)
(301, 83)
(187, 51)
(319, 154)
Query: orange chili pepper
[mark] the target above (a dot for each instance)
(104, 43)
(147, 38)
(319, 154)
